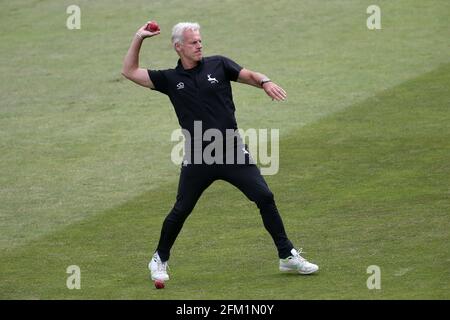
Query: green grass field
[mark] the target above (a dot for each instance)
(86, 176)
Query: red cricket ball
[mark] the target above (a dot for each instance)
(152, 26)
(159, 284)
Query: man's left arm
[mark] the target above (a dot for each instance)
(261, 81)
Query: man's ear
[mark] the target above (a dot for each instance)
(177, 47)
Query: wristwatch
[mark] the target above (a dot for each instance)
(264, 80)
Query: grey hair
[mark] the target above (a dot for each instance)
(179, 28)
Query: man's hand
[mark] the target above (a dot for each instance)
(254, 79)
(274, 91)
(144, 33)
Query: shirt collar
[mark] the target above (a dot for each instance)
(180, 66)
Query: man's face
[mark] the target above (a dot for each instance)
(191, 48)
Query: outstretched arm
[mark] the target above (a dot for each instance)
(130, 69)
(260, 81)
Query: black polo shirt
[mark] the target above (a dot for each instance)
(202, 93)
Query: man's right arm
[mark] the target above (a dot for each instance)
(130, 69)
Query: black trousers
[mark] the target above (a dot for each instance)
(195, 178)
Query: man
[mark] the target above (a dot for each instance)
(200, 91)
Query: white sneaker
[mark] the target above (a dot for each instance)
(158, 269)
(296, 263)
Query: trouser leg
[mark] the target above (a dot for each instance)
(249, 180)
(194, 179)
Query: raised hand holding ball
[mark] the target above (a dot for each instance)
(152, 26)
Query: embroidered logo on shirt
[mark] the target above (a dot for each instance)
(180, 85)
(212, 80)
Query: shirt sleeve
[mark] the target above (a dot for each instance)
(232, 69)
(159, 80)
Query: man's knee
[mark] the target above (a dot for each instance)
(264, 198)
(180, 210)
